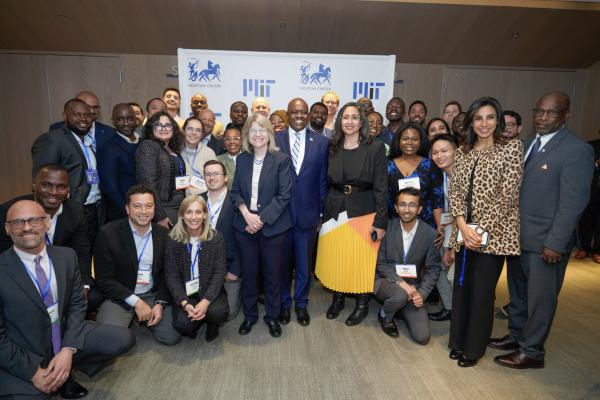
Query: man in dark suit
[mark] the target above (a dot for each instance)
(73, 148)
(408, 267)
(309, 153)
(116, 162)
(128, 261)
(208, 123)
(42, 331)
(220, 216)
(554, 193)
(99, 132)
(68, 226)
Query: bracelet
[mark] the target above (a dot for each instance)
(184, 303)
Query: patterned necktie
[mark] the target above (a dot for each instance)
(49, 301)
(534, 150)
(296, 151)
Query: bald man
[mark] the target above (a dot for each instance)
(260, 105)
(198, 103)
(99, 133)
(309, 152)
(43, 335)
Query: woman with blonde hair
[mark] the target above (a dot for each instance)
(195, 267)
(261, 192)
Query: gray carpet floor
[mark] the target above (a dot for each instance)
(329, 360)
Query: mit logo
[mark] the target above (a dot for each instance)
(367, 89)
(258, 87)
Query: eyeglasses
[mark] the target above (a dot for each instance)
(160, 127)
(94, 108)
(19, 223)
(510, 124)
(213, 174)
(539, 112)
(232, 139)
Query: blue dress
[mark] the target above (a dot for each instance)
(432, 188)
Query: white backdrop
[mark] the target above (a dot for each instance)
(228, 76)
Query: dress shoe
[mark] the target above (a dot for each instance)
(246, 327)
(274, 328)
(503, 343)
(443, 315)
(284, 316)
(389, 328)
(455, 354)
(581, 254)
(518, 360)
(212, 332)
(302, 316)
(71, 389)
(360, 310)
(465, 362)
(596, 258)
(336, 306)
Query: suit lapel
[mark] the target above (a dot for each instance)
(224, 210)
(285, 142)
(416, 242)
(548, 148)
(15, 270)
(61, 277)
(155, 248)
(129, 244)
(266, 169)
(309, 143)
(75, 144)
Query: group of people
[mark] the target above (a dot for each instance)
(179, 223)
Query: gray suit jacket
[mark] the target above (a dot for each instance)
(422, 253)
(554, 193)
(25, 329)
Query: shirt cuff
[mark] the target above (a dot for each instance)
(71, 348)
(86, 286)
(131, 300)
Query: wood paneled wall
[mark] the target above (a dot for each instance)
(35, 87)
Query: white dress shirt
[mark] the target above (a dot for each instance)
(255, 180)
(544, 139)
(214, 209)
(53, 220)
(145, 262)
(407, 238)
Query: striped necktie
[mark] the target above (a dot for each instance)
(296, 151)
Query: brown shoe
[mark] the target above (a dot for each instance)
(581, 254)
(503, 343)
(596, 258)
(518, 360)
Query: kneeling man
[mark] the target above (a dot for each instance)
(408, 266)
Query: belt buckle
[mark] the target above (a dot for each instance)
(347, 189)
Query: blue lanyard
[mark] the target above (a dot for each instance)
(181, 165)
(46, 290)
(213, 215)
(194, 170)
(48, 241)
(87, 154)
(195, 258)
(446, 191)
(463, 265)
(144, 248)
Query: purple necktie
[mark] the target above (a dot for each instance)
(49, 301)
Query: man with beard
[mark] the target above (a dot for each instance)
(317, 118)
(198, 103)
(73, 148)
(394, 112)
(310, 155)
(116, 162)
(98, 132)
(238, 112)
(512, 124)
(208, 123)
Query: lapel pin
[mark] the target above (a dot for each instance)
(311, 139)
(543, 150)
(545, 166)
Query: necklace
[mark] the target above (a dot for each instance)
(258, 162)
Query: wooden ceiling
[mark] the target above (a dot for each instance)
(565, 35)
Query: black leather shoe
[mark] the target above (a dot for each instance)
(274, 328)
(246, 327)
(503, 343)
(455, 354)
(302, 316)
(212, 332)
(443, 315)
(336, 306)
(360, 311)
(284, 316)
(465, 362)
(72, 390)
(389, 328)
(518, 360)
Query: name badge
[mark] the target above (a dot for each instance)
(53, 313)
(446, 218)
(192, 287)
(143, 277)
(484, 235)
(406, 270)
(91, 175)
(182, 182)
(409, 182)
(197, 183)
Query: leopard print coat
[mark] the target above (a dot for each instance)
(496, 187)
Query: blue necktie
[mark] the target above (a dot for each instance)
(534, 150)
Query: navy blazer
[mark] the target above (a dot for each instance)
(116, 168)
(217, 145)
(225, 227)
(103, 133)
(309, 187)
(274, 191)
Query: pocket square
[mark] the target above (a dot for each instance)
(544, 167)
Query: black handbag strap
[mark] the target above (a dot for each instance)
(469, 198)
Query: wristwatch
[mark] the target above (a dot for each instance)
(184, 303)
